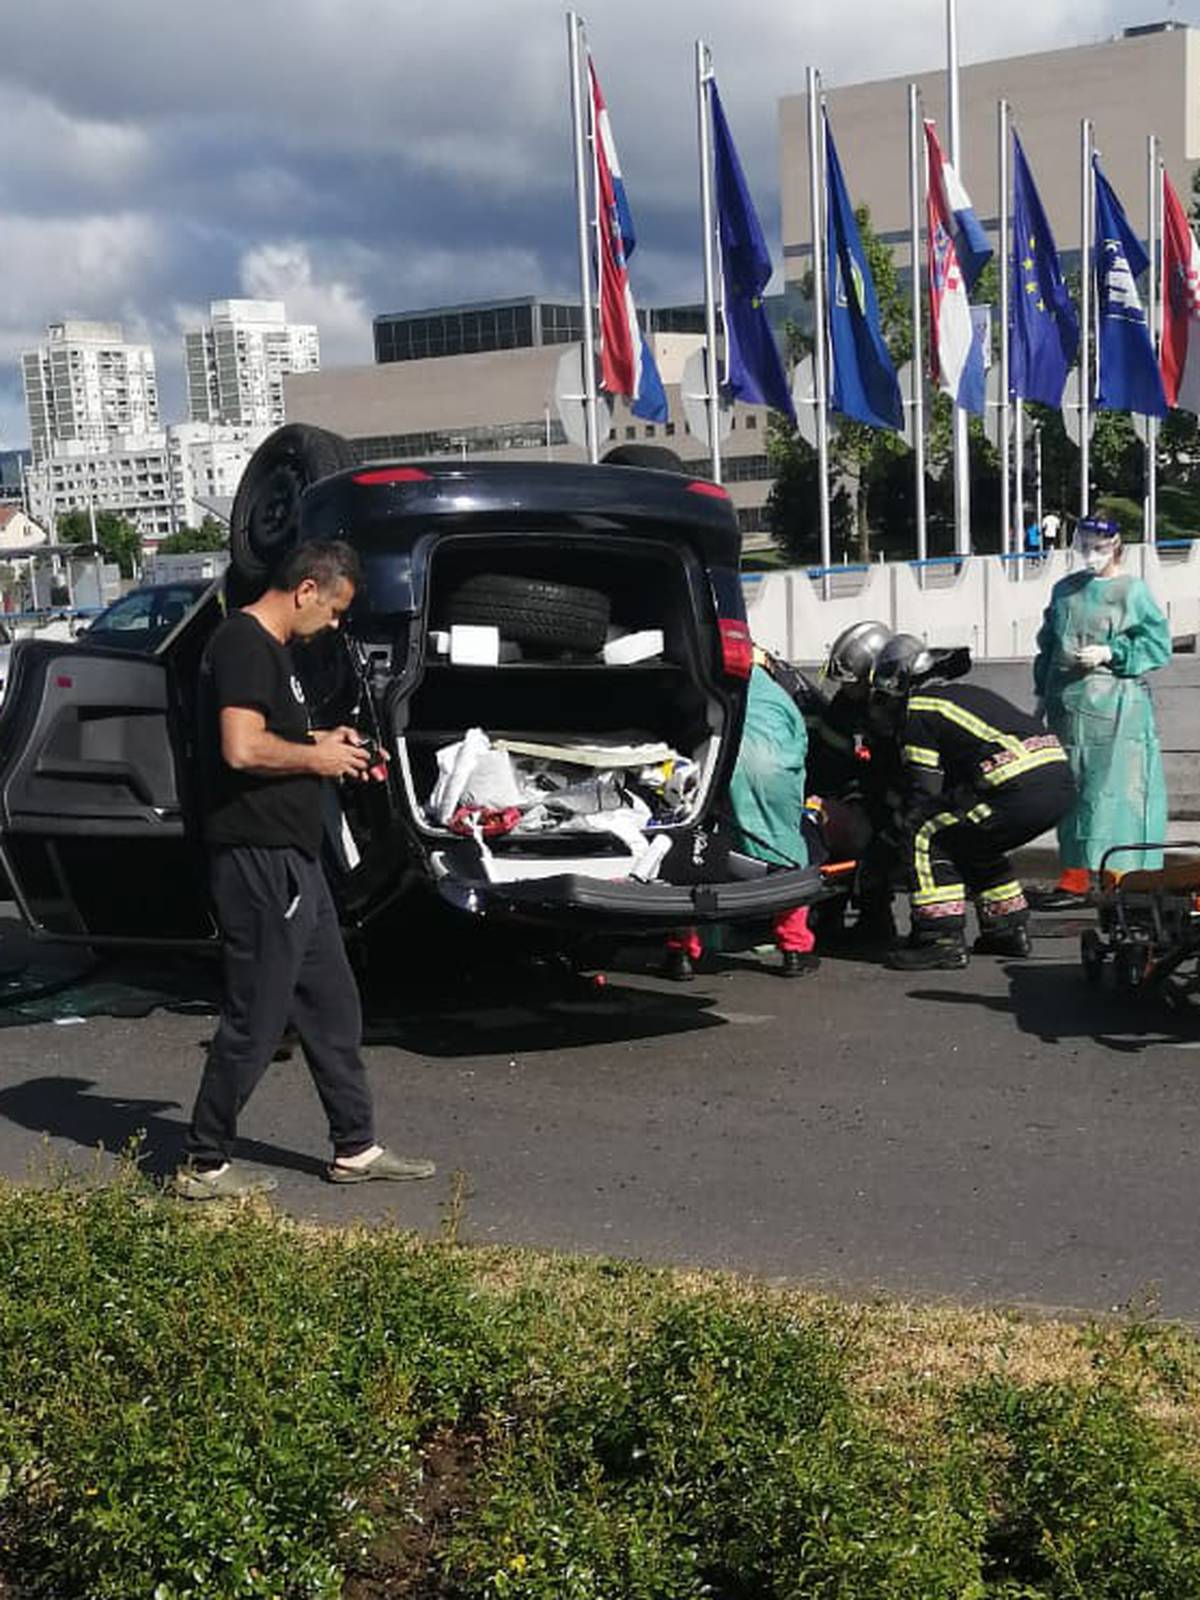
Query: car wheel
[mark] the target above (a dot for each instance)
(265, 521)
(657, 456)
(533, 611)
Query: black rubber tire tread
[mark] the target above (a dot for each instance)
(265, 521)
(658, 456)
(533, 611)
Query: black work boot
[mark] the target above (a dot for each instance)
(945, 952)
(1010, 939)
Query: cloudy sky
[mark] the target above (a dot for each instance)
(356, 156)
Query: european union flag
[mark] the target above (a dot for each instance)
(753, 366)
(1043, 327)
(864, 385)
(1127, 377)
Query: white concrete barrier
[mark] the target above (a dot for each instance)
(990, 603)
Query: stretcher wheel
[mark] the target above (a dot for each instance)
(1132, 963)
(1091, 955)
(1177, 979)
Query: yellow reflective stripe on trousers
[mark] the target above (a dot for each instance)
(918, 756)
(1002, 891)
(967, 720)
(955, 892)
(922, 865)
(1024, 763)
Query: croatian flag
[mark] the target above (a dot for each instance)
(956, 345)
(1180, 354)
(626, 364)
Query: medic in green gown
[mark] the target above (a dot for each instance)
(1101, 634)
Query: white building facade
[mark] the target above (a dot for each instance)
(159, 481)
(87, 385)
(236, 366)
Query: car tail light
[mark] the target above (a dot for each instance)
(392, 475)
(737, 653)
(703, 486)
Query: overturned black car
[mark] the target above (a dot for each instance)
(555, 658)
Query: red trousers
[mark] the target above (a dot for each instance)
(791, 931)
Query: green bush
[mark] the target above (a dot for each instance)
(192, 1410)
(1085, 1500)
(229, 1406)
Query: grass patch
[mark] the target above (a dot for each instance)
(234, 1405)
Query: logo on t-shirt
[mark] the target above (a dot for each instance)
(297, 690)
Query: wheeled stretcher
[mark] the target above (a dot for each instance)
(1148, 928)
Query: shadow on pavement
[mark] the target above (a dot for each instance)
(526, 1010)
(65, 1108)
(430, 1004)
(1054, 1004)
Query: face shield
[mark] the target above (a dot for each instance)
(1096, 544)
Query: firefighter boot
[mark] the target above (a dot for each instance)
(930, 952)
(1005, 939)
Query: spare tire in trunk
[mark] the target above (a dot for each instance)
(533, 611)
(265, 521)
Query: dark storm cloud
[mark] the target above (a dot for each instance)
(354, 156)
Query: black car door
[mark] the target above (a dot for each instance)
(94, 777)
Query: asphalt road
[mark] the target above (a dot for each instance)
(999, 1135)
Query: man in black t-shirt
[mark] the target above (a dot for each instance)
(263, 768)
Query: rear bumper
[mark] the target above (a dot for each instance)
(592, 904)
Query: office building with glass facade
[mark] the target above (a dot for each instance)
(524, 324)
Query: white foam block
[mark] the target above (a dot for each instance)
(474, 646)
(633, 647)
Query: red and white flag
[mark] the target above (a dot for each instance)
(626, 364)
(1179, 357)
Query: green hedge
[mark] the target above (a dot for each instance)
(196, 1406)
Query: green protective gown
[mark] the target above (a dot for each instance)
(767, 787)
(1105, 719)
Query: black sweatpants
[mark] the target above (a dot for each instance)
(963, 850)
(284, 961)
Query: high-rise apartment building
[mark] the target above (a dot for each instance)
(158, 481)
(86, 385)
(236, 365)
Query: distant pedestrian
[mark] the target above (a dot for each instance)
(263, 768)
(1051, 528)
(1033, 539)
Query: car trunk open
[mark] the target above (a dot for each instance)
(551, 698)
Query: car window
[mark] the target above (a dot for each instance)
(132, 614)
(146, 611)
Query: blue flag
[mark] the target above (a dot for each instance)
(1043, 327)
(1127, 377)
(754, 369)
(864, 383)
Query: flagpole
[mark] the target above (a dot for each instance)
(1018, 506)
(917, 394)
(1153, 243)
(579, 138)
(1005, 503)
(1085, 313)
(962, 464)
(815, 166)
(704, 75)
